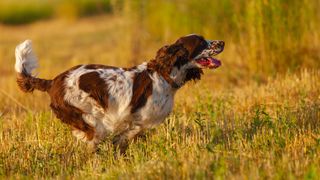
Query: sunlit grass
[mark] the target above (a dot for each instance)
(242, 121)
(273, 133)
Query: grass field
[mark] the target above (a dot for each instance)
(249, 119)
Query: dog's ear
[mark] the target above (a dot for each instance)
(168, 56)
(162, 52)
(173, 55)
(171, 50)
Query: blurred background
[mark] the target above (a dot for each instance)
(263, 38)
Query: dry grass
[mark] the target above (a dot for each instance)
(226, 126)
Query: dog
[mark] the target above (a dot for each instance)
(99, 101)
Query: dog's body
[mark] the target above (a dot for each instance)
(97, 100)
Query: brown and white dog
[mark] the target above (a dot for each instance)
(97, 100)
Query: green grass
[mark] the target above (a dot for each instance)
(24, 13)
(15, 12)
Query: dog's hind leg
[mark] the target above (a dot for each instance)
(73, 117)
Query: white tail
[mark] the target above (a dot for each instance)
(26, 61)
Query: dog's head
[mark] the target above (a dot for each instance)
(200, 50)
(186, 58)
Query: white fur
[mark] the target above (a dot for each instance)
(179, 75)
(159, 104)
(25, 58)
(118, 117)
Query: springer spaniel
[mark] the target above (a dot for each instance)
(97, 100)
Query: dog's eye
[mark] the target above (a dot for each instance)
(203, 43)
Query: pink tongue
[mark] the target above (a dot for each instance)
(215, 62)
(210, 62)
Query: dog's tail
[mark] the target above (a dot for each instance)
(26, 62)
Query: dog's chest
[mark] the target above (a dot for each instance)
(159, 105)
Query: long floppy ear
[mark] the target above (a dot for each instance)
(162, 52)
(167, 56)
(170, 50)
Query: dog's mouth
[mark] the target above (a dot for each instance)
(208, 62)
(205, 59)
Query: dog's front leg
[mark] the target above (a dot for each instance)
(121, 141)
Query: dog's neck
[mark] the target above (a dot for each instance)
(185, 74)
(166, 76)
(177, 77)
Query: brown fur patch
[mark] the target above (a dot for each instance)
(64, 111)
(168, 57)
(194, 44)
(94, 85)
(141, 90)
(27, 83)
